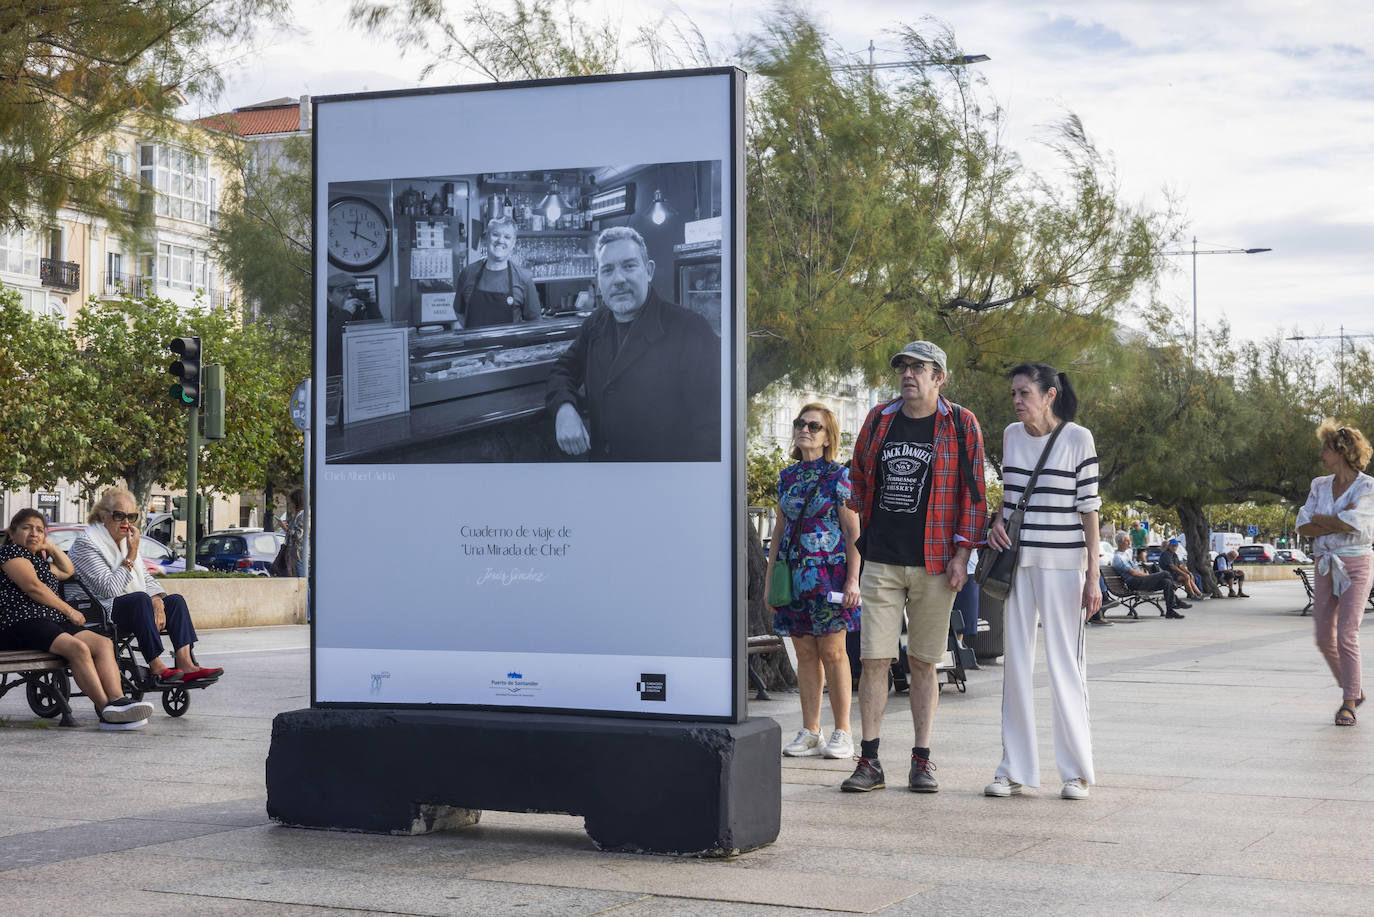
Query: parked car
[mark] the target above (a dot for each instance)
(240, 552)
(156, 556)
(1290, 556)
(1259, 553)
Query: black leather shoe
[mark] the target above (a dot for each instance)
(922, 780)
(1175, 615)
(867, 776)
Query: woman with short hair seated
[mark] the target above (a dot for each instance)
(34, 617)
(106, 559)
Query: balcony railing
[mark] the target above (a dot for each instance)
(118, 282)
(64, 275)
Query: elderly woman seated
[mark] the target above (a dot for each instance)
(106, 559)
(34, 617)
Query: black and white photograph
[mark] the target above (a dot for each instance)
(566, 314)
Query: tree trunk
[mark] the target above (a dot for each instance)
(774, 668)
(1194, 522)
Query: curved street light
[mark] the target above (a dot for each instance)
(1209, 251)
(1342, 337)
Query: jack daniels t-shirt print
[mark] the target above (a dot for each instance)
(897, 529)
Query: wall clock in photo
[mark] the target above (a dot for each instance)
(359, 233)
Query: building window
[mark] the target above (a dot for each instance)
(19, 251)
(180, 179)
(183, 267)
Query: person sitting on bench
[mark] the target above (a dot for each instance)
(34, 617)
(1229, 576)
(1137, 579)
(106, 559)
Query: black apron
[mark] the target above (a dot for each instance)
(488, 308)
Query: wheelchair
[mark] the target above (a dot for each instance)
(42, 689)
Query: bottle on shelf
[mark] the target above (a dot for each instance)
(508, 206)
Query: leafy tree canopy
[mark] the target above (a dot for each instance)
(71, 71)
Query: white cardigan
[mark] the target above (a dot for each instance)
(97, 560)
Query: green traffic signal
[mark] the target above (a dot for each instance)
(186, 369)
(180, 396)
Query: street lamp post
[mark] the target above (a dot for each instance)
(1342, 338)
(960, 60)
(1195, 251)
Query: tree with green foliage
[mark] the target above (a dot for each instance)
(39, 423)
(71, 71)
(264, 234)
(91, 404)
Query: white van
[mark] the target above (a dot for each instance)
(1223, 542)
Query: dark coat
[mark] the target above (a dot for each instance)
(658, 400)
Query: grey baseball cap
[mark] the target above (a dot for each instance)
(922, 350)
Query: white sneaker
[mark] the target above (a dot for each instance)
(1002, 786)
(1077, 788)
(841, 745)
(806, 744)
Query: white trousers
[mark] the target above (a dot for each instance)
(1057, 597)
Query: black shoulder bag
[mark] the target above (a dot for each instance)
(997, 569)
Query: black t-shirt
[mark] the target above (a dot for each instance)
(1168, 559)
(901, 493)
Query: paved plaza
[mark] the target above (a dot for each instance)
(1224, 789)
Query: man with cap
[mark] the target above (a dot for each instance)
(344, 306)
(917, 478)
(1170, 564)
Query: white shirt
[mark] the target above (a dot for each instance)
(1052, 533)
(1355, 507)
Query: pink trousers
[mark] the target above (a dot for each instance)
(1337, 620)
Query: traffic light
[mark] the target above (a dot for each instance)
(179, 505)
(187, 370)
(214, 401)
(179, 508)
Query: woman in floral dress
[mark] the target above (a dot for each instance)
(815, 534)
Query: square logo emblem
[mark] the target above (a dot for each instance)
(652, 687)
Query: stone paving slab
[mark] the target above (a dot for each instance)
(1223, 790)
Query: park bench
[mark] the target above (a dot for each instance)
(43, 676)
(1302, 574)
(762, 644)
(1124, 595)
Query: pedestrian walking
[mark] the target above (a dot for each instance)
(1339, 517)
(1056, 579)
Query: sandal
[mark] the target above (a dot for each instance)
(1361, 700)
(1345, 716)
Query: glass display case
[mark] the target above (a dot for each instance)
(456, 364)
(698, 284)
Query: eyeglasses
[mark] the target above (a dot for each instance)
(117, 516)
(909, 366)
(811, 425)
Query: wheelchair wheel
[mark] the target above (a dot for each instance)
(131, 678)
(42, 695)
(176, 701)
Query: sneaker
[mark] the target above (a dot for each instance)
(841, 745)
(1178, 605)
(125, 710)
(1173, 615)
(1099, 622)
(1002, 786)
(922, 780)
(165, 677)
(1077, 788)
(806, 744)
(867, 776)
(202, 674)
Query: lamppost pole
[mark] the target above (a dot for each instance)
(1340, 338)
(1195, 251)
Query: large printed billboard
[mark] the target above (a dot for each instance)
(526, 481)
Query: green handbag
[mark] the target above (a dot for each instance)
(780, 593)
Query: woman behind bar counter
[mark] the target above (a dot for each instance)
(494, 290)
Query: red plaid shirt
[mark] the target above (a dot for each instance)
(953, 516)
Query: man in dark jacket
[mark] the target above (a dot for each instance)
(645, 371)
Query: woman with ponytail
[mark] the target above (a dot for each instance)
(1056, 580)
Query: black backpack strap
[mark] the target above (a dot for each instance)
(965, 463)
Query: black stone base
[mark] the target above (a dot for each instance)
(648, 786)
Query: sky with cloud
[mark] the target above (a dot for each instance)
(1256, 117)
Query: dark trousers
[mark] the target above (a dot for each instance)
(133, 613)
(1155, 581)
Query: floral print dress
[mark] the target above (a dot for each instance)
(813, 545)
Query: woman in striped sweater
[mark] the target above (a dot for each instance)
(1056, 579)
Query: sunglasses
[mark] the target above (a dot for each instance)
(811, 425)
(117, 516)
